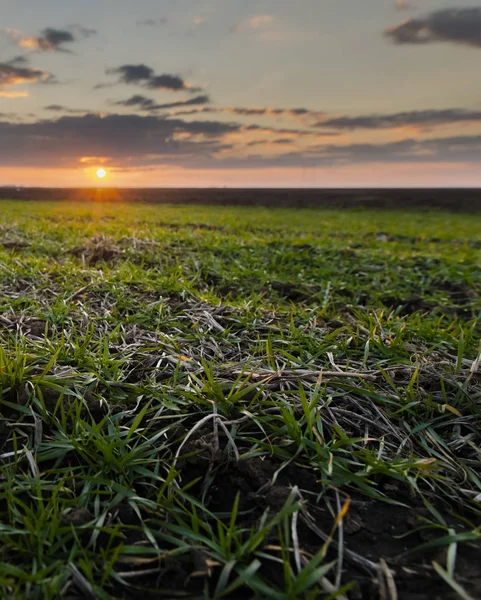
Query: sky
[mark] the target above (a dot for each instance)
(243, 93)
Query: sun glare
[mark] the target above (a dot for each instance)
(101, 173)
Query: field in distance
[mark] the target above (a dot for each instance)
(455, 200)
(239, 402)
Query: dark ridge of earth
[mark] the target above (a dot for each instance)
(459, 200)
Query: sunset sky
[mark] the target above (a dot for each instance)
(240, 93)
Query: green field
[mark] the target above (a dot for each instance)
(208, 402)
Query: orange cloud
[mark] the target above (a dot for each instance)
(11, 73)
(94, 160)
(50, 39)
(30, 42)
(5, 94)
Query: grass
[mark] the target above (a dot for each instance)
(235, 402)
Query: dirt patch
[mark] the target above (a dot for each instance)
(30, 327)
(77, 517)
(295, 292)
(372, 530)
(201, 226)
(461, 299)
(292, 291)
(459, 292)
(409, 305)
(97, 250)
(10, 244)
(94, 407)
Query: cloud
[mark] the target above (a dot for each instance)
(148, 104)
(456, 25)
(50, 39)
(152, 22)
(260, 128)
(6, 94)
(132, 73)
(248, 112)
(173, 83)
(18, 61)
(459, 149)
(297, 114)
(138, 101)
(286, 131)
(256, 22)
(419, 119)
(64, 109)
(456, 148)
(278, 141)
(12, 74)
(143, 75)
(416, 118)
(273, 112)
(126, 139)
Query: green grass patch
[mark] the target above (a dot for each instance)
(208, 402)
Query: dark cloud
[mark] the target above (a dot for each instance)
(279, 141)
(148, 104)
(128, 141)
(55, 38)
(264, 111)
(169, 82)
(457, 25)
(18, 61)
(269, 111)
(123, 138)
(196, 111)
(460, 149)
(261, 128)
(143, 75)
(287, 131)
(138, 101)
(102, 86)
(11, 74)
(64, 109)
(249, 112)
(415, 118)
(204, 99)
(50, 38)
(132, 73)
(457, 148)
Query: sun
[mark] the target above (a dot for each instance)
(101, 173)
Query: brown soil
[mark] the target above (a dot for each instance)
(372, 530)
